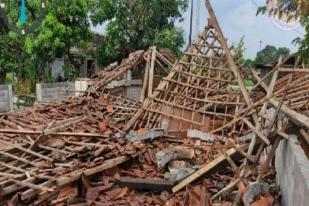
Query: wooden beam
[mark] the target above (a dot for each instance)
(18, 158)
(146, 184)
(292, 70)
(295, 117)
(27, 151)
(257, 132)
(203, 171)
(63, 180)
(229, 56)
(145, 82)
(26, 184)
(151, 71)
(226, 189)
(29, 132)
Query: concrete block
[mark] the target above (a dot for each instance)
(292, 167)
(6, 98)
(81, 85)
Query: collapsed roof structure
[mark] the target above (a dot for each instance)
(193, 141)
(197, 93)
(144, 69)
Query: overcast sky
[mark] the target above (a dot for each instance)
(238, 18)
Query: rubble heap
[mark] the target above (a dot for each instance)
(52, 145)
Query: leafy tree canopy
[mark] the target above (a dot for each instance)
(138, 24)
(131, 25)
(239, 49)
(64, 25)
(270, 54)
(294, 9)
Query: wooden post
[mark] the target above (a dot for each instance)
(145, 82)
(151, 71)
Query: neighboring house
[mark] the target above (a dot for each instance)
(264, 69)
(87, 68)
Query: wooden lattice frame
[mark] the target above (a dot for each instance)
(197, 94)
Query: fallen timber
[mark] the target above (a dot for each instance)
(38, 163)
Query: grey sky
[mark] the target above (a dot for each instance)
(238, 18)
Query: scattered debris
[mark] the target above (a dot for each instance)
(145, 135)
(193, 133)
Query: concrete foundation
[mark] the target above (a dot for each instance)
(6, 98)
(292, 167)
(54, 91)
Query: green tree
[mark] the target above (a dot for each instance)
(138, 24)
(294, 9)
(64, 25)
(303, 42)
(11, 55)
(270, 54)
(239, 50)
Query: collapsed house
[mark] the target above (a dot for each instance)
(137, 76)
(193, 141)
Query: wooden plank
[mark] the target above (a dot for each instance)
(91, 171)
(206, 66)
(257, 132)
(191, 109)
(292, 70)
(227, 51)
(26, 150)
(203, 171)
(146, 184)
(18, 158)
(205, 78)
(151, 71)
(29, 132)
(32, 192)
(27, 184)
(57, 123)
(205, 56)
(226, 189)
(165, 60)
(145, 81)
(296, 117)
(221, 91)
(25, 171)
(240, 150)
